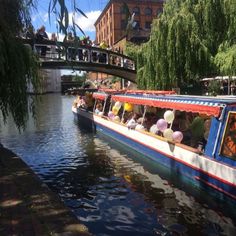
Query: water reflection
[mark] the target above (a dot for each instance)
(113, 190)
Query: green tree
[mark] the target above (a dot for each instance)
(18, 66)
(187, 42)
(225, 59)
(61, 11)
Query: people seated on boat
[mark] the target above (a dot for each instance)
(150, 119)
(132, 122)
(81, 102)
(207, 126)
(197, 132)
(77, 102)
(89, 100)
(98, 108)
(182, 123)
(141, 123)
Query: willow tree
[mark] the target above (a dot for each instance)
(225, 59)
(18, 66)
(183, 43)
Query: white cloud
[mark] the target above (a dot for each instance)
(86, 24)
(45, 17)
(60, 37)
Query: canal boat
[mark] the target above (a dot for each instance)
(195, 136)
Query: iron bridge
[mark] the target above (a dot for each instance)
(59, 55)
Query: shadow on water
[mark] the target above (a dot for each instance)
(179, 204)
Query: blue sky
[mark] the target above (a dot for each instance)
(92, 8)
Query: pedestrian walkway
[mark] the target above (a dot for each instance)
(28, 207)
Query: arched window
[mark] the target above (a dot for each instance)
(148, 11)
(148, 25)
(123, 24)
(122, 9)
(136, 10)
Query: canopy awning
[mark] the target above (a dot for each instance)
(202, 107)
(154, 92)
(104, 93)
(100, 96)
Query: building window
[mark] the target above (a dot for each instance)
(123, 24)
(148, 25)
(159, 11)
(136, 25)
(148, 11)
(136, 10)
(123, 9)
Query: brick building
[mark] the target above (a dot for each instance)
(111, 25)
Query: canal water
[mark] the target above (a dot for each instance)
(111, 189)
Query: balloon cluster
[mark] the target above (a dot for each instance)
(113, 114)
(162, 126)
(116, 108)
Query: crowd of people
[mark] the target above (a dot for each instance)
(193, 127)
(41, 36)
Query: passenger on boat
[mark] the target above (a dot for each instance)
(131, 123)
(182, 123)
(98, 108)
(141, 124)
(89, 101)
(77, 102)
(197, 132)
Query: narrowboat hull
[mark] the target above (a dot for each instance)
(84, 119)
(203, 171)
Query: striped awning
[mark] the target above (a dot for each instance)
(153, 92)
(100, 96)
(199, 106)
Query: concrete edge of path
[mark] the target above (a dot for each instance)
(28, 206)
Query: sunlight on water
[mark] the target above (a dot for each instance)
(111, 189)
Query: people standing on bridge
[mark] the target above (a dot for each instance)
(41, 36)
(71, 51)
(29, 34)
(53, 47)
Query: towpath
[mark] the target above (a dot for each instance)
(28, 207)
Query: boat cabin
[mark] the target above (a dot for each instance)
(207, 124)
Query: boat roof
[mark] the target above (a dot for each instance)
(211, 106)
(103, 93)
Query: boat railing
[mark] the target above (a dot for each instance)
(186, 147)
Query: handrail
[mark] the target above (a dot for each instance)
(68, 51)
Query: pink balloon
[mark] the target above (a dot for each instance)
(161, 125)
(177, 136)
(111, 115)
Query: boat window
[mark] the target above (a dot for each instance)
(228, 146)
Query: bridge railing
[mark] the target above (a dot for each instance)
(50, 50)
